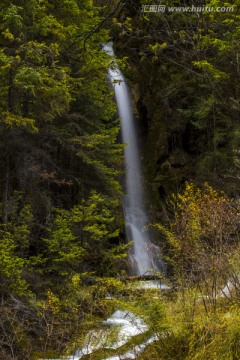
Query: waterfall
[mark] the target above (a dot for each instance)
(133, 204)
(128, 324)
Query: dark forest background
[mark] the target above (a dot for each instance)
(62, 168)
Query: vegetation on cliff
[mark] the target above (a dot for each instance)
(184, 71)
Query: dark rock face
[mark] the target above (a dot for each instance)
(169, 145)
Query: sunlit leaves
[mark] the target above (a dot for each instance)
(64, 252)
(15, 236)
(38, 53)
(203, 235)
(12, 19)
(12, 120)
(100, 150)
(11, 267)
(84, 233)
(209, 68)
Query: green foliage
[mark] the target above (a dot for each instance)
(209, 68)
(60, 163)
(185, 66)
(12, 120)
(83, 236)
(12, 19)
(62, 248)
(11, 268)
(198, 336)
(35, 70)
(100, 150)
(15, 237)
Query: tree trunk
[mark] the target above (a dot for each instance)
(5, 194)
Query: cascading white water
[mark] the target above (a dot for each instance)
(134, 210)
